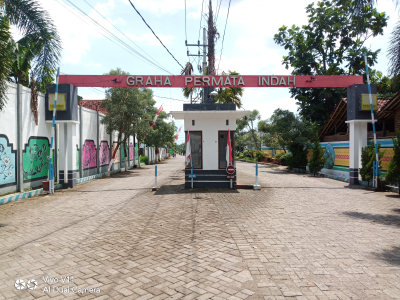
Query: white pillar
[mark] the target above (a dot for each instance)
(358, 139)
(68, 140)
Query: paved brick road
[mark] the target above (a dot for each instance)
(298, 238)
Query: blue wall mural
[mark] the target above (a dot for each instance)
(8, 164)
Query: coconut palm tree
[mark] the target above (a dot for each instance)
(40, 37)
(225, 95)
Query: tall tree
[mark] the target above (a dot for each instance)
(246, 128)
(394, 44)
(162, 133)
(39, 34)
(284, 129)
(332, 43)
(147, 113)
(124, 106)
(5, 52)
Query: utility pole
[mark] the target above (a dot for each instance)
(204, 61)
(212, 32)
(204, 67)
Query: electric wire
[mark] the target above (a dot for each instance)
(125, 36)
(118, 41)
(186, 29)
(219, 7)
(168, 98)
(227, 16)
(154, 34)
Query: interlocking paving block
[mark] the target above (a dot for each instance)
(297, 238)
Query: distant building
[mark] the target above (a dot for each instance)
(335, 129)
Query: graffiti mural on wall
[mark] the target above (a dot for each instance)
(77, 158)
(104, 153)
(89, 155)
(7, 162)
(330, 156)
(117, 155)
(131, 151)
(123, 153)
(35, 158)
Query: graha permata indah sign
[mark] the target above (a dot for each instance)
(214, 81)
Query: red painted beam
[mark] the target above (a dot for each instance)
(152, 81)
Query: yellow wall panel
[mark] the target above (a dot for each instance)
(342, 157)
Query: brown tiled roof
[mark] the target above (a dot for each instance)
(386, 108)
(93, 105)
(381, 102)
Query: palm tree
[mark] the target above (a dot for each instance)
(231, 94)
(40, 38)
(394, 52)
(225, 95)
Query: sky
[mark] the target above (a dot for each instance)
(246, 47)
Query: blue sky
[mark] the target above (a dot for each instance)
(248, 45)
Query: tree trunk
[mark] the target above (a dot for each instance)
(115, 152)
(126, 162)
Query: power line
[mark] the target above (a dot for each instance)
(219, 7)
(125, 35)
(154, 33)
(185, 28)
(224, 35)
(168, 98)
(122, 44)
(118, 39)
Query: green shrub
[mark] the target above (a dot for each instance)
(317, 159)
(260, 155)
(144, 159)
(279, 155)
(285, 157)
(368, 156)
(299, 156)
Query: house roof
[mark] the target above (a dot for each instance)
(93, 105)
(386, 109)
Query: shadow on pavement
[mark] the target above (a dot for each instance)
(180, 189)
(379, 219)
(301, 187)
(390, 256)
(99, 191)
(393, 196)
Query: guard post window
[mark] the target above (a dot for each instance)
(196, 149)
(222, 141)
